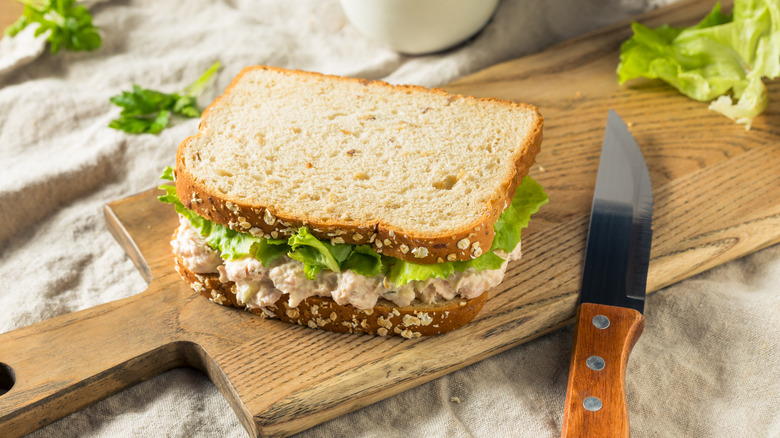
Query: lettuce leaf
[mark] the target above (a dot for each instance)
(317, 255)
(167, 174)
(402, 272)
(528, 198)
(489, 261)
(230, 243)
(268, 250)
(365, 261)
(721, 54)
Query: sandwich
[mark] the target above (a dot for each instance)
(352, 205)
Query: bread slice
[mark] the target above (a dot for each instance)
(418, 174)
(385, 319)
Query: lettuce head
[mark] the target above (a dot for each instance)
(722, 59)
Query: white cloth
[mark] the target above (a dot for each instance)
(708, 363)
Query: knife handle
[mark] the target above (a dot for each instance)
(596, 393)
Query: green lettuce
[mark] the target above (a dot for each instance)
(230, 243)
(528, 199)
(268, 250)
(365, 261)
(402, 272)
(317, 255)
(721, 54)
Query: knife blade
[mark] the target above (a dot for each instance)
(609, 316)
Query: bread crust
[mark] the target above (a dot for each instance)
(465, 243)
(385, 319)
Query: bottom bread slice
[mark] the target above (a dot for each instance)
(384, 319)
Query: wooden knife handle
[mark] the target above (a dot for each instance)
(596, 393)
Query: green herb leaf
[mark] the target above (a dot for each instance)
(195, 88)
(141, 124)
(17, 27)
(142, 101)
(722, 54)
(68, 25)
(148, 111)
(186, 106)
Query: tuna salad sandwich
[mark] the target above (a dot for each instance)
(351, 205)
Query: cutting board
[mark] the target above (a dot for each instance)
(717, 198)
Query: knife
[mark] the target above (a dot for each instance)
(609, 316)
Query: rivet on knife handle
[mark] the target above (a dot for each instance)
(596, 396)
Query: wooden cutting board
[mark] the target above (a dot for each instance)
(717, 198)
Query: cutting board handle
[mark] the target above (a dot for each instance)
(61, 365)
(596, 393)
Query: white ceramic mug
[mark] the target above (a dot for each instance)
(419, 26)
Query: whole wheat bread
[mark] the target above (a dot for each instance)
(416, 173)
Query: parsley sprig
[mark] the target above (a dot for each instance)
(69, 25)
(149, 111)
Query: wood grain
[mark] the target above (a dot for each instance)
(613, 345)
(717, 198)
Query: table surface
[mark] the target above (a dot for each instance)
(10, 10)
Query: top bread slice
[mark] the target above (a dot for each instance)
(416, 173)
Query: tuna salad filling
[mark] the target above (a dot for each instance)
(260, 286)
